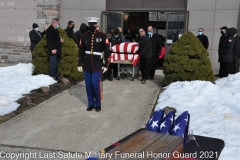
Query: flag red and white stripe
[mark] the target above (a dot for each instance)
(126, 47)
(125, 51)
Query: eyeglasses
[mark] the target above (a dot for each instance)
(141, 31)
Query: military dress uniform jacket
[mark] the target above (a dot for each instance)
(94, 47)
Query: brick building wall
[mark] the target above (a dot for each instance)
(46, 11)
(16, 19)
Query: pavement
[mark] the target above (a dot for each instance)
(61, 124)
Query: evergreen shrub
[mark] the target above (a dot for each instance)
(187, 61)
(67, 67)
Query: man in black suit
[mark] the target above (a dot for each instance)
(156, 49)
(54, 47)
(35, 36)
(70, 32)
(145, 51)
(203, 39)
(222, 38)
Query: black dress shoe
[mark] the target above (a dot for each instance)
(103, 78)
(98, 109)
(110, 78)
(143, 81)
(56, 79)
(90, 108)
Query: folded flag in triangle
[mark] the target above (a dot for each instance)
(166, 123)
(180, 127)
(154, 122)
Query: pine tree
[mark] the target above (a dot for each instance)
(187, 61)
(67, 66)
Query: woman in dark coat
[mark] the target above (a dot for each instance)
(236, 52)
(78, 34)
(226, 51)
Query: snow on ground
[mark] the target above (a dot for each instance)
(214, 109)
(16, 81)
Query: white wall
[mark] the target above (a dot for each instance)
(16, 19)
(212, 15)
(78, 10)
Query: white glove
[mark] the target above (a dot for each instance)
(80, 69)
(104, 69)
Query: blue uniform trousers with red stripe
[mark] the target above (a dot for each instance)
(92, 82)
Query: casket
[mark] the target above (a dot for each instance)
(125, 53)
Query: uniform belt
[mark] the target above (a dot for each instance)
(95, 53)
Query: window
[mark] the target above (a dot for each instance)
(157, 16)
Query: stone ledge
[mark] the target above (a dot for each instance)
(14, 53)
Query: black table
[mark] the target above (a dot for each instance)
(209, 148)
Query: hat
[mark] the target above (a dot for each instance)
(92, 19)
(34, 25)
(232, 31)
(224, 27)
(116, 31)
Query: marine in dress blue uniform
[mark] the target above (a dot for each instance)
(94, 47)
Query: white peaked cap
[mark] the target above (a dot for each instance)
(92, 19)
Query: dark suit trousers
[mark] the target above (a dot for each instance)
(237, 66)
(221, 70)
(153, 68)
(53, 65)
(144, 67)
(226, 68)
(233, 67)
(113, 67)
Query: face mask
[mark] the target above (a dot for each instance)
(115, 36)
(36, 29)
(199, 33)
(149, 33)
(72, 26)
(222, 32)
(57, 26)
(92, 28)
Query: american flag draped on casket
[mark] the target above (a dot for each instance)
(125, 51)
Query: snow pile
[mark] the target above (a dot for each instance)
(214, 109)
(16, 81)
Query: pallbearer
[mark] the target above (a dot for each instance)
(94, 47)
